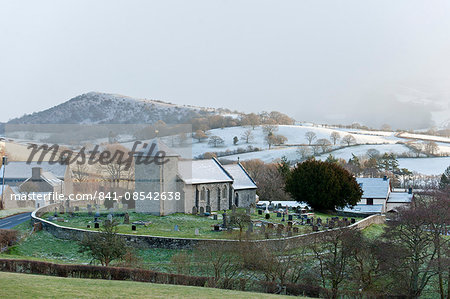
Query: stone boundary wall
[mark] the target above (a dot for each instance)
(146, 241)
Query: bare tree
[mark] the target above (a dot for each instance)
(240, 219)
(200, 135)
(268, 178)
(333, 251)
(324, 144)
(348, 140)
(247, 136)
(118, 166)
(410, 252)
(252, 120)
(221, 259)
(80, 172)
(304, 152)
(269, 129)
(215, 141)
(431, 148)
(182, 138)
(373, 153)
(310, 136)
(416, 148)
(335, 136)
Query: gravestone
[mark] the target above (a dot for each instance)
(270, 225)
(215, 216)
(267, 216)
(252, 208)
(176, 228)
(208, 209)
(224, 219)
(216, 227)
(126, 218)
(96, 225)
(88, 226)
(319, 221)
(315, 228)
(109, 217)
(289, 224)
(61, 209)
(202, 211)
(331, 224)
(289, 233)
(353, 220)
(194, 210)
(308, 221)
(283, 218)
(250, 227)
(290, 217)
(278, 214)
(260, 212)
(133, 227)
(197, 232)
(281, 226)
(266, 235)
(295, 229)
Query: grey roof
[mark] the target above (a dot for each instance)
(241, 179)
(364, 209)
(400, 197)
(202, 172)
(22, 170)
(374, 187)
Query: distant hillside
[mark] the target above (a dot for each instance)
(104, 108)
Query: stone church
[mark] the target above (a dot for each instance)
(190, 186)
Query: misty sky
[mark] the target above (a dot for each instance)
(336, 61)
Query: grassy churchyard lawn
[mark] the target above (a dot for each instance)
(186, 224)
(40, 286)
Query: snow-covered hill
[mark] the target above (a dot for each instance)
(100, 108)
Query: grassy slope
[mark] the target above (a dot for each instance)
(38, 286)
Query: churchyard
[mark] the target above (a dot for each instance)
(227, 224)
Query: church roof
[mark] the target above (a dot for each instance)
(374, 187)
(202, 172)
(241, 178)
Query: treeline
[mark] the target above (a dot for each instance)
(252, 119)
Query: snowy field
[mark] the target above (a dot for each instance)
(384, 142)
(428, 166)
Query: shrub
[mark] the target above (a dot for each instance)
(7, 237)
